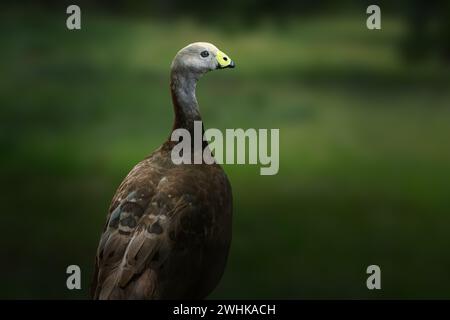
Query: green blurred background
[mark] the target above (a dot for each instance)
(364, 119)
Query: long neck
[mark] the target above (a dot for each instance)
(182, 86)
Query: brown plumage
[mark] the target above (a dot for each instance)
(168, 230)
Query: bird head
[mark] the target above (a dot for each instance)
(201, 57)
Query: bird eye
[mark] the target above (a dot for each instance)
(204, 54)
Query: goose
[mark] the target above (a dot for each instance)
(168, 229)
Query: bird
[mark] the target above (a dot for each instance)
(168, 229)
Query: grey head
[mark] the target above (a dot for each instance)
(189, 64)
(199, 58)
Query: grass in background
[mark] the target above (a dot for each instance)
(364, 167)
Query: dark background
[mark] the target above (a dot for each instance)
(364, 138)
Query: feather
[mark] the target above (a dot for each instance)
(168, 230)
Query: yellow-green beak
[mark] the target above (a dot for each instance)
(224, 60)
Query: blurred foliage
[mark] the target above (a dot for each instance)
(428, 22)
(428, 30)
(365, 163)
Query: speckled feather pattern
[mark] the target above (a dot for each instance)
(168, 232)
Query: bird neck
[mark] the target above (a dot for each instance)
(182, 86)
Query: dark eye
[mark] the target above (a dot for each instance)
(204, 54)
